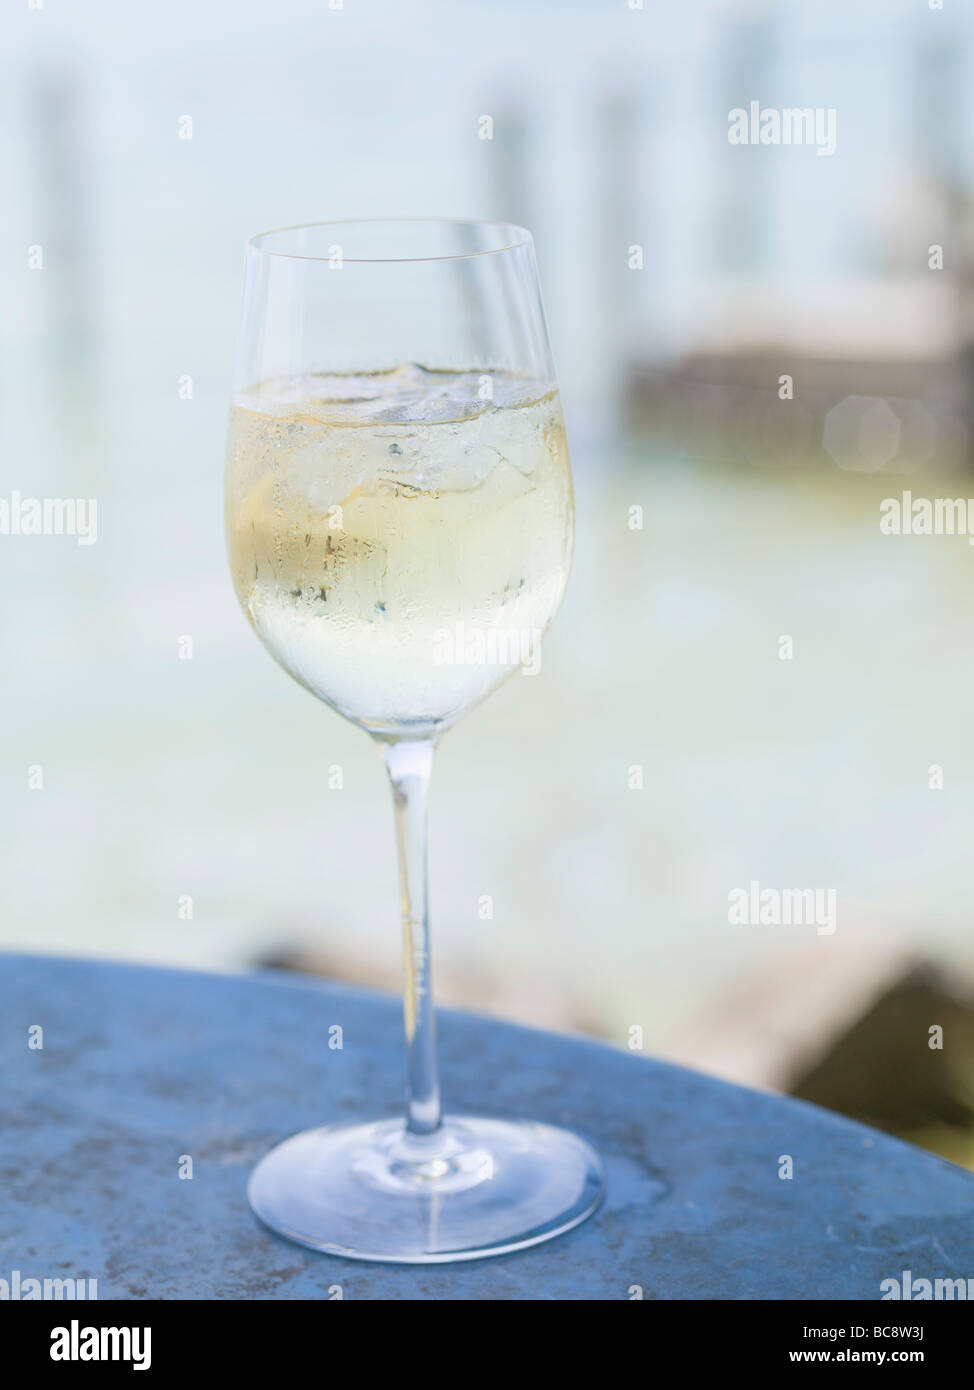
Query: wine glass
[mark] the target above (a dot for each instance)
(399, 519)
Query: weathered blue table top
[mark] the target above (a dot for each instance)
(141, 1067)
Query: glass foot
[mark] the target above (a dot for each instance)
(474, 1188)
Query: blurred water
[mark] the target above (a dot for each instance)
(209, 777)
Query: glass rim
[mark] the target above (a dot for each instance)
(515, 237)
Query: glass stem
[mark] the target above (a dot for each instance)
(410, 764)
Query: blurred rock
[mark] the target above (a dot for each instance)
(850, 1031)
(883, 1069)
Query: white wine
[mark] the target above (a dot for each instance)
(400, 540)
